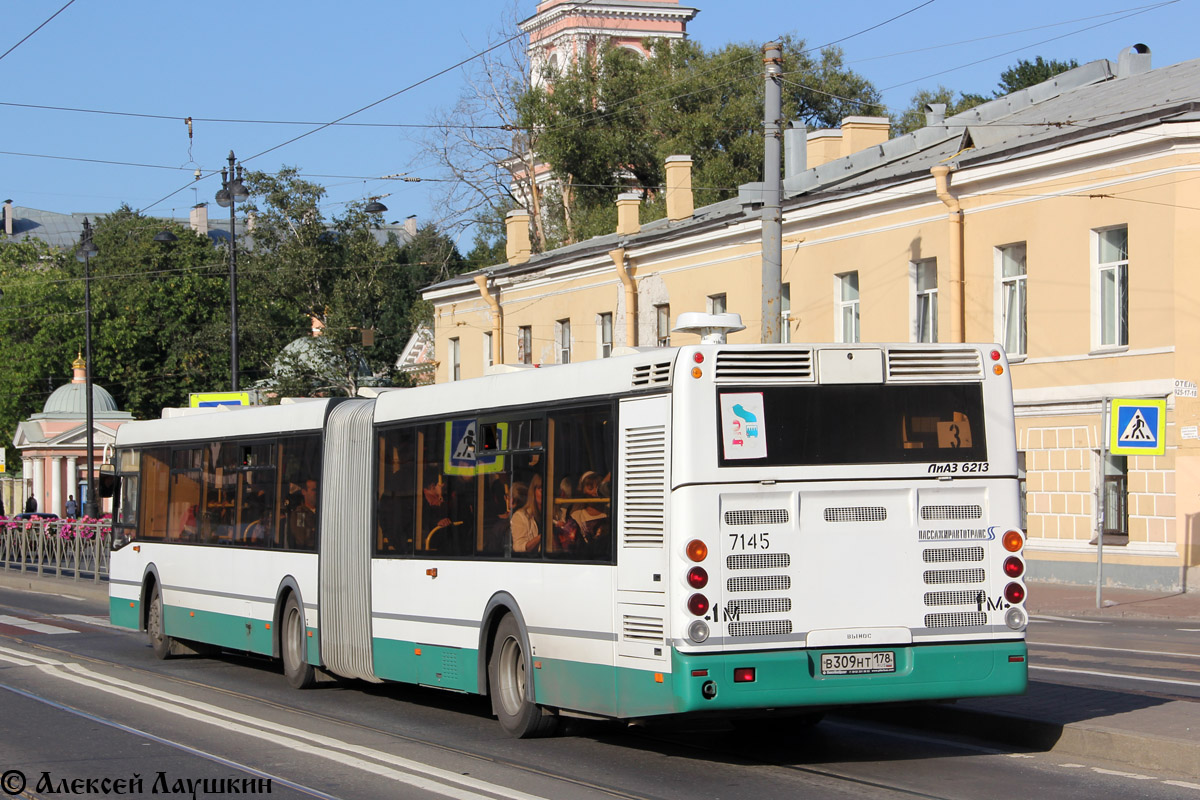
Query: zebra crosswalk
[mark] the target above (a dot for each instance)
(56, 625)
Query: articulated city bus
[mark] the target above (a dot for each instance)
(710, 528)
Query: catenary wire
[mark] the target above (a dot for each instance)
(35, 30)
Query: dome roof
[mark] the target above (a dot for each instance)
(71, 399)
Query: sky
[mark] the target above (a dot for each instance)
(272, 61)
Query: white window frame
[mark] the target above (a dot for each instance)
(840, 306)
(1121, 268)
(604, 335)
(455, 359)
(1020, 285)
(662, 323)
(916, 294)
(488, 357)
(525, 344)
(785, 313)
(562, 340)
(716, 303)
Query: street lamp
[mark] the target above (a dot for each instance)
(84, 254)
(230, 193)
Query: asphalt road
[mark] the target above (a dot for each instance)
(82, 701)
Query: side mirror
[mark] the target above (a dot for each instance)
(107, 481)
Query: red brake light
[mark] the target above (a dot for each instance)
(995, 355)
(1013, 567)
(743, 675)
(697, 577)
(1014, 593)
(698, 605)
(698, 358)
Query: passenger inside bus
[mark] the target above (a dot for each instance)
(302, 522)
(526, 531)
(498, 517)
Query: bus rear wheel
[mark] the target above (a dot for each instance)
(299, 673)
(163, 645)
(511, 686)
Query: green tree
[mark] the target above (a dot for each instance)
(914, 116)
(1025, 73)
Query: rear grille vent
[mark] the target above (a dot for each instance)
(758, 561)
(972, 598)
(642, 629)
(643, 487)
(955, 620)
(651, 374)
(856, 514)
(951, 512)
(761, 627)
(938, 576)
(759, 583)
(765, 516)
(949, 554)
(933, 364)
(760, 605)
(734, 366)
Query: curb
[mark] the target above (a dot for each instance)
(1085, 740)
(47, 584)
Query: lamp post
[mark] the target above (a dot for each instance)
(84, 254)
(230, 193)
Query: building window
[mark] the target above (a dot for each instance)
(926, 317)
(525, 345)
(562, 340)
(606, 342)
(455, 361)
(1012, 301)
(1022, 488)
(662, 315)
(488, 358)
(1112, 273)
(785, 313)
(847, 307)
(716, 304)
(1116, 500)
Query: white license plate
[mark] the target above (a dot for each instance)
(857, 663)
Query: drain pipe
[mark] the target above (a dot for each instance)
(497, 323)
(618, 258)
(958, 308)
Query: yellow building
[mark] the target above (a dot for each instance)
(1062, 221)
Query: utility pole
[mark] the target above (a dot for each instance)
(772, 211)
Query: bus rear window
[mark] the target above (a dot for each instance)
(855, 424)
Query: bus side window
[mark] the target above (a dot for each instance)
(396, 495)
(581, 477)
(299, 493)
(156, 475)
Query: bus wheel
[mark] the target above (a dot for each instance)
(512, 687)
(299, 673)
(164, 646)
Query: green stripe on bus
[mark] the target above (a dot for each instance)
(223, 630)
(430, 665)
(125, 613)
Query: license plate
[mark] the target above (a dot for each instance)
(858, 663)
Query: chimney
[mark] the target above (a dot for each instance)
(517, 247)
(410, 225)
(859, 133)
(795, 150)
(1133, 61)
(680, 203)
(199, 218)
(628, 206)
(8, 218)
(935, 114)
(823, 146)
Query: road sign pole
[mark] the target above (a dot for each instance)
(1104, 434)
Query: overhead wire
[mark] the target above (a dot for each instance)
(35, 30)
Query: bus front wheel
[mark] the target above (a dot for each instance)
(299, 673)
(163, 645)
(512, 687)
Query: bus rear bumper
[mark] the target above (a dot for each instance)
(792, 678)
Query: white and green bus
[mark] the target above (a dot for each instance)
(710, 528)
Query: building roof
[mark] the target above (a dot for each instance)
(70, 400)
(1093, 101)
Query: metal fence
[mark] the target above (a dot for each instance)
(56, 548)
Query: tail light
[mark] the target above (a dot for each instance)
(1013, 593)
(743, 675)
(697, 550)
(1013, 567)
(697, 577)
(1013, 541)
(698, 605)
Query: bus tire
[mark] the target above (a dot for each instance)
(294, 647)
(163, 645)
(511, 686)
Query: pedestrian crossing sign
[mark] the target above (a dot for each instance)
(1137, 427)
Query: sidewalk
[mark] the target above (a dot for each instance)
(1062, 600)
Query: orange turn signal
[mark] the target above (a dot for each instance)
(1013, 540)
(697, 550)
